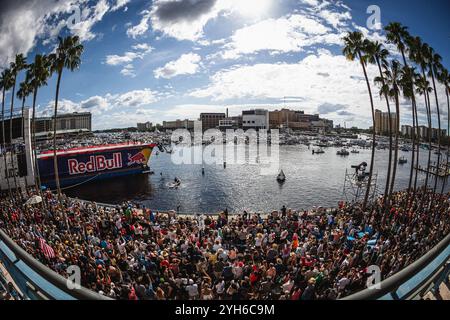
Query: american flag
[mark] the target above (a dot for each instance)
(48, 251)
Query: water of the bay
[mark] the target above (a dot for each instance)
(312, 180)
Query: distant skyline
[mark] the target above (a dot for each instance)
(173, 59)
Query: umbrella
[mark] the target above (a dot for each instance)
(34, 200)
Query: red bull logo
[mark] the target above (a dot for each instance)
(95, 163)
(138, 158)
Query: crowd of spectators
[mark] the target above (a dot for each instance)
(130, 252)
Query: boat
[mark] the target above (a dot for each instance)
(355, 151)
(402, 160)
(318, 151)
(343, 152)
(281, 177)
(175, 184)
(86, 164)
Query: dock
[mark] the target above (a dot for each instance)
(442, 172)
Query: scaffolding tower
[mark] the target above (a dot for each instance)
(356, 183)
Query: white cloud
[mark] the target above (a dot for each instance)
(141, 50)
(95, 103)
(89, 17)
(186, 19)
(336, 19)
(120, 4)
(305, 79)
(286, 34)
(143, 46)
(128, 71)
(183, 19)
(141, 27)
(186, 64)
(313, 3)
(127, 57)
(136, 98)
(24, 23)
(99, 104)
(21, 24)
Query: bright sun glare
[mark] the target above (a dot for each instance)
(253, 8)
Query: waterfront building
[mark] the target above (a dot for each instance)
(211, 120)
(407, 131)
(65, 122)
(144, 126)
(255, 119)
(17, 166)
(382, 122)
(298, 120)
(178, 124)
(423, 132)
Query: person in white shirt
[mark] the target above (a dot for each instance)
(192, 290)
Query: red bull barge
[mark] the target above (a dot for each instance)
(86, 164)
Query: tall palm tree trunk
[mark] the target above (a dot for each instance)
(4, 145)
(55, 159)
(37, 176)
(414, 112)
(417, 150)
(13, 149)
(33, 142)
(439, 130)
(387, 195)
(413, 154)
(427, 107)
(394, 170)
(448, 139)
(369, 182)
(23, 132)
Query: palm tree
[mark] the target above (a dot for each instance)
(16, 66)
(68, 55)
(398, 35)
(423, 88)
(39, 72)
(390, 86)
(434, 65)
(417, 53)
(23, 92)
(377, 55)
(6, 84)
(408, 76)
(444, 78)
(354, 48)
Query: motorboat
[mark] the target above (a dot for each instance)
(175, 184)
(318, 151)
(355, 151)
(281, 177)
(343, 152)
(402, 160)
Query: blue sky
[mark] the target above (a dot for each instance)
(172, 59)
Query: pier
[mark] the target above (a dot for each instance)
(442, 172)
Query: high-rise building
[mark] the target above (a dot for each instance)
(65, 122)
(423, 132)
(178, 124)
(298, 120)
(211, 120)
(144, 126)
(255, 119)
(382, 122)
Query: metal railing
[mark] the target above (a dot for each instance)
(35, 280)
(413, 281)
